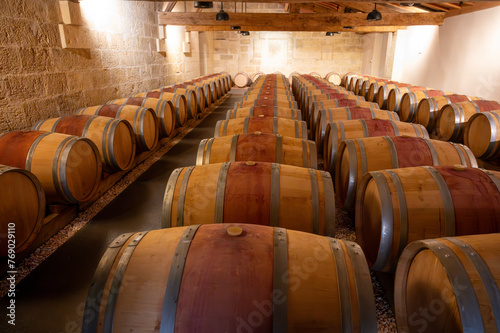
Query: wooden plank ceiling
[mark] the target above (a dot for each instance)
(309, 15)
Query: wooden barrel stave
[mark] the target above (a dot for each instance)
(68, 167)
(248, 193)
(258, 147)
(428, 108)
(22, 209)
(460, 277)
(282, 126)
(255, 111)
(358, 156)
(338, 131)
(114, 138)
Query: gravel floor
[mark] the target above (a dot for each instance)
(344, 230)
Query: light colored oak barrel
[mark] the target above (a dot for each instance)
(453, 117)
(396, 94)
(143, 120)
(68, 167)
(266, 111)
(481, 135)
(360, 82)
(428, 108)
(397, 207)
(286, 127)
(268, 91)
(179, 102)
(310, 100)
(383, 93)
(200, 96)
(265, 97)
(191, 101)
(371, 94)
(325, 116)
(454, 281)
(22, 209)
(164, 110)
(307, 93)
(338, 131)
(338, 103)
(359, 156)
(205, 90)
(365, 87)
(251, 192)
(266, 102)
(344, 82)
(114, 138)
(259, 147)
(230, 278)
(410, 100)
(242, 80)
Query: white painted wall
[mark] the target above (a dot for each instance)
(461, 56)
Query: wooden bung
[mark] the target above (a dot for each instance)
(260, 147)
(251, 192)
(454, 281)
(22, 208)
(358, 156)
(68, 167)
(338, 131)
(155, 280)
(164, 110)
(114, 138)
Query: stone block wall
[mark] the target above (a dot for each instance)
(39, 79)
(286, 52)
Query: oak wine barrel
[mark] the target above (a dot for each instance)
(258, 147)
(114, 138)
(230, 278)
(22, 209)
(481, 135)
(68, 167)
(251, 192)
(164, 110)
(424, 202)
(286, 127)
(179, 102)
(266, 111)
(318, 127)
(242, 80)
(143, 120)
(266, 102)
(359, 156)
(396, 94)
(410, 100)
(339, 131)
(461, 279)
(428, 108)
(383, 93)
(453, 117)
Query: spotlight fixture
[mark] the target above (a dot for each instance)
(245, 33)
(222, 15)
(332, 33)
(203, 4)
(348, 27)
(235, 27)
(374, 15)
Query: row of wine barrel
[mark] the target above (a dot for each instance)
(243, 80)
(436, 279)
(253, 276)
(61, 160)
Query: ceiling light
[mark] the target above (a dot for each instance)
(245, 33)
(374, 15)
(203, 4)
(222, 15)
(235, 27)
(348, 27)
(332, 33)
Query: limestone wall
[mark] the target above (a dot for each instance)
(286, 52)
(39, 79)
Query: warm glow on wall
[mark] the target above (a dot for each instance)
(103, 15)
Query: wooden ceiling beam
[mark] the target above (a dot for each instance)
(470, 9)
(276, 28)
(301, 22)
(365, 1)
